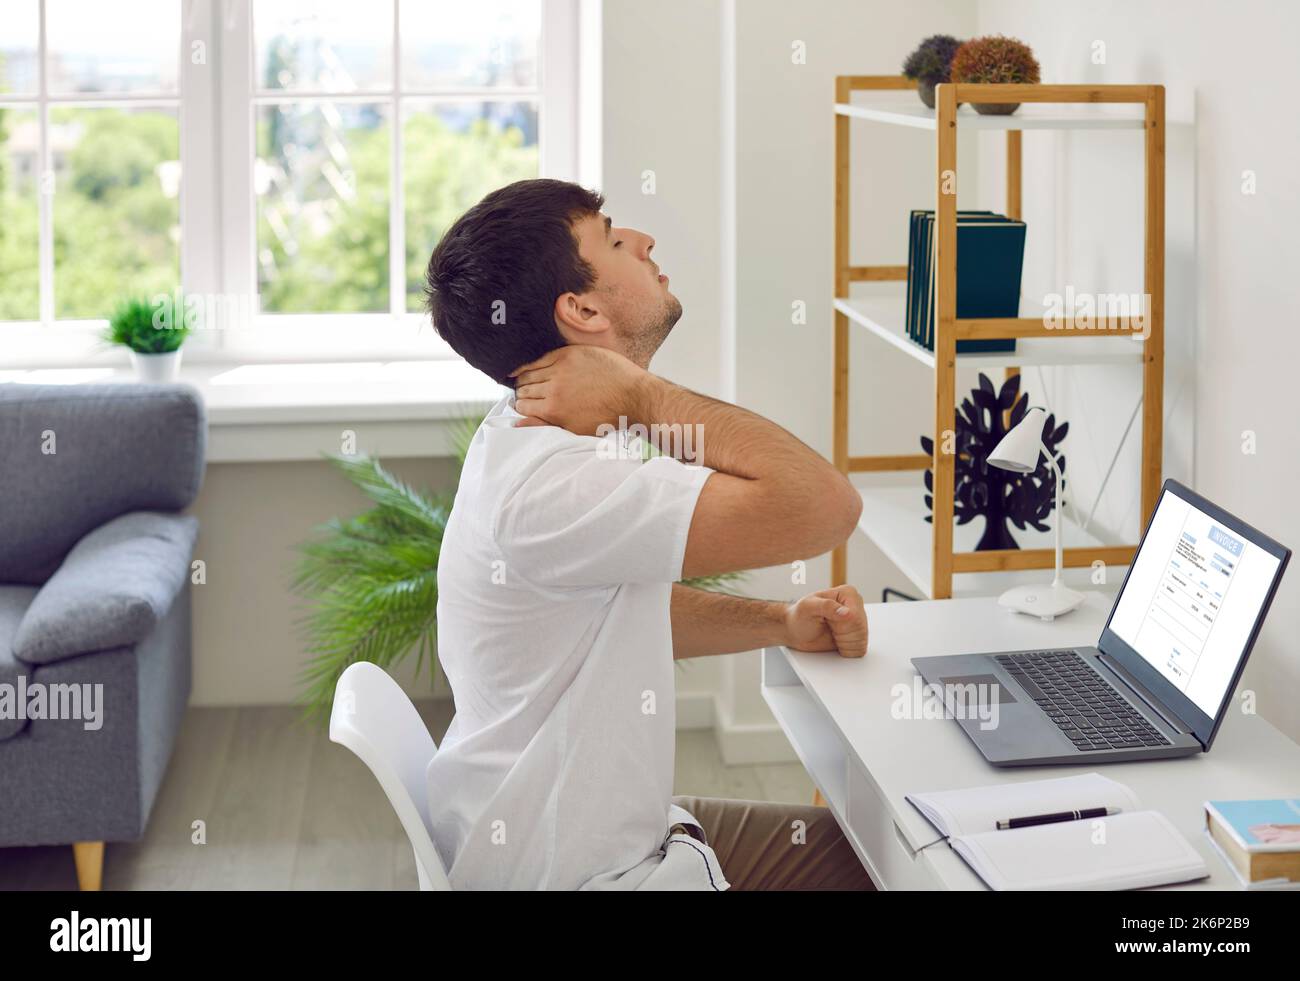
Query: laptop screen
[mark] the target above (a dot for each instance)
(1193, 599)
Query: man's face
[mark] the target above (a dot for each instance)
(629, 308)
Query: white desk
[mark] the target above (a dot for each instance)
(839, 715)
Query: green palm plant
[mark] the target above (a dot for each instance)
(371, 581)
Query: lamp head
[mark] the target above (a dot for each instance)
(1018, 451)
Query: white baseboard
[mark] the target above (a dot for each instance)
(743, 744)
(738, 744)
(695, 710)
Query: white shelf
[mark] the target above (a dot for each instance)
(814, 740)
(884, 315)
(1028, 116)
(893, 518)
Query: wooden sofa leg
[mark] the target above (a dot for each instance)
(89, 856)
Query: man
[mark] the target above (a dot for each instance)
(559, 609)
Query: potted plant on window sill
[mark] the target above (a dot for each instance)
(152, 332)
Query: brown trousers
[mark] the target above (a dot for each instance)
(760, 846)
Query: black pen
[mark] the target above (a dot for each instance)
(1028, 822)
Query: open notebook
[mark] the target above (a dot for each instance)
(1129, 850)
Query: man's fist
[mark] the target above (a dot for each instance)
(829, 620)
(579, 388)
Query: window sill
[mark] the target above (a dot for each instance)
(285, 412)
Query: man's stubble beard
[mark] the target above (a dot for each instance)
(644, 343)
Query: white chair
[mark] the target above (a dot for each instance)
(373, 717)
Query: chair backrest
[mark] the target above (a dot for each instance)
(373, 717)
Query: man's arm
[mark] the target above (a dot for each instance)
(706, 622)
(772, 499)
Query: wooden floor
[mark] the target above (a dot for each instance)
(284, 808)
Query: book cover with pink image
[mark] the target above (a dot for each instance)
(1261, 825)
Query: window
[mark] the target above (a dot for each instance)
(90, 160)
(325, 145)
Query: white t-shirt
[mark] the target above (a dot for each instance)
(554, 585)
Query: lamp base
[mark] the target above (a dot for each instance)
(1047, 602)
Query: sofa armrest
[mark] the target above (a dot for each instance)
(111, 590)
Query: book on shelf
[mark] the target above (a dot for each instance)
(914, 281)
(990, 258)
(1258, 839)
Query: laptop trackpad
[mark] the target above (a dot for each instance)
(982, 688)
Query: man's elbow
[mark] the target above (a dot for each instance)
(833, 517)
(843, 510)
(819, 517)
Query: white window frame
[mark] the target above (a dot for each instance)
(395, 334)
(216, 107)
(57, 342)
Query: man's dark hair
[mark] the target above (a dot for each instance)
(492, 281)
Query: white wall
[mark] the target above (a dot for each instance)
(784, 206)
(666, 76)
(1232, 292)
(248, 643)
(662, 109)
(662, 113)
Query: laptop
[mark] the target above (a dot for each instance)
(1161, 678)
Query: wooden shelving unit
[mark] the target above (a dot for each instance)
(892, 516)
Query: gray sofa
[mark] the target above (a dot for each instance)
(94, 606)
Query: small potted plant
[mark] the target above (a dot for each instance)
(153, 332)
(928, 65)
(995, 60)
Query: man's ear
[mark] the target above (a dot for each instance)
(579, 318)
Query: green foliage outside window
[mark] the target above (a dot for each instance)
(116, 233)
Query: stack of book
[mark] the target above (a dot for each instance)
(990, 256)
(1259, 839)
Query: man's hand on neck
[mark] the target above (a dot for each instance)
(582, 387)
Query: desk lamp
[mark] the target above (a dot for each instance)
(1018, 452)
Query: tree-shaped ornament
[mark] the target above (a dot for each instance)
(999, 496)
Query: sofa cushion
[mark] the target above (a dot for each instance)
(14, 601)
(112, 588)
(76, 456)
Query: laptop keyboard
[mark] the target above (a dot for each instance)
(1079, 701)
